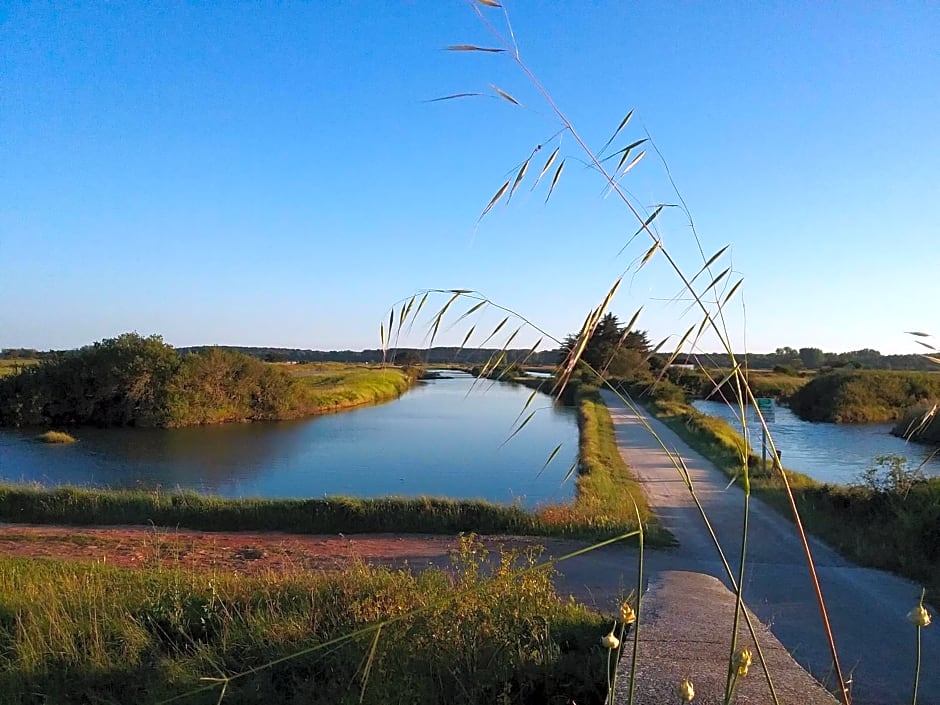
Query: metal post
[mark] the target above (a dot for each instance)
(763, 449)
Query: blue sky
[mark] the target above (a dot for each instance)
(257, 174)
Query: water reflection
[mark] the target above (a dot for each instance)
(441, 439)
(826, 452)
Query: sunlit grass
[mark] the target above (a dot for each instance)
(56, 437)
(111, 635)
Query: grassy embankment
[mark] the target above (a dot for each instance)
(699, 384)
(88, 633)
(864, 396)
(328, 387)
(892, 530)
(608, 496)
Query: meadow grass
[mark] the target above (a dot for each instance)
(91, 633)
(324, 388)
(12, 367)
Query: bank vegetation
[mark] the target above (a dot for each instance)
(133, 380)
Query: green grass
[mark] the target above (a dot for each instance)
(55, 437)
(325, 388)
(88, 633)
(426, 515)
(890, 530)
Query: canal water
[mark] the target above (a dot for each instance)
(446, 437)
(837, 453)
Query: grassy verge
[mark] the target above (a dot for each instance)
(891, 530)
(327, 388)
(608, 496)
(425, 515)
(90, 633)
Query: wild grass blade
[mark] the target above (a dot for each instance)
(636, 160)
(504, 95)
(623, 124)
(474, 47)
(519, 177)
(455, 96)
(493, 201)
(711, 260)
(495, 331)
(551, 457)
(555, 179)
(548, 165)
(369, 661)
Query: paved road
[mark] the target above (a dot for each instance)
(867, 607)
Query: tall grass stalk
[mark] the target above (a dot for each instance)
(712, 320)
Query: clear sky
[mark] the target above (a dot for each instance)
(262, 174)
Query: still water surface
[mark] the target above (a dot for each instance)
(824, 451)
(440, 439)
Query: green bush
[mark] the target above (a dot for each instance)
(920, 423)
(863, 396)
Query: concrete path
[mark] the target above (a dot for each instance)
(867, 607)
(679, 640)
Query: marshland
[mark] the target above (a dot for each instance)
(263, 438)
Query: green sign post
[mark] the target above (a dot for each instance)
(766, 407)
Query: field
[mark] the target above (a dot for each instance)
(488, 629)
(11, 367)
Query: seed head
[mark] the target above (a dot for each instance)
(610, 641)
(627, 615)
(919, 616)
(685, 691)
(742, 661)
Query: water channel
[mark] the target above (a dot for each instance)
(446, 437)
(837, 453)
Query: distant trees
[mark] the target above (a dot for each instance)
(614, 351)
(408, 358)
(812, 358)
